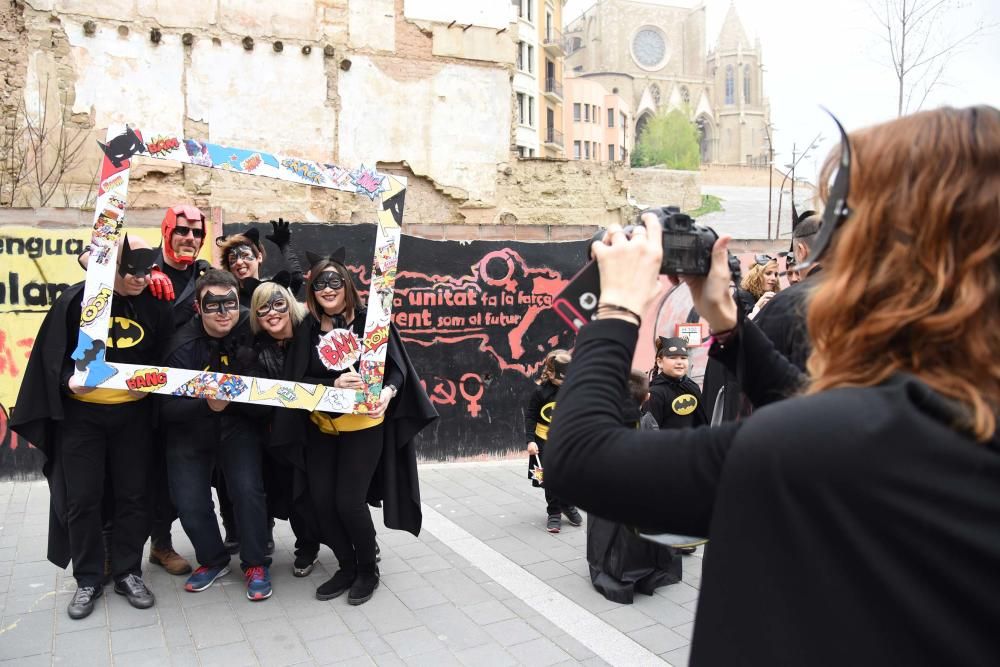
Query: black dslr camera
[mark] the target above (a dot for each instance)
(687, 249)
(687, 246)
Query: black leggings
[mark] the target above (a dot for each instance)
(340, 470)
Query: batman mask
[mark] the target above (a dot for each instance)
(136, 262)
(215, 303)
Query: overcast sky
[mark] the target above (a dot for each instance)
(818, 52)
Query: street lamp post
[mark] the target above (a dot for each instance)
(791, 168)
(770, 175)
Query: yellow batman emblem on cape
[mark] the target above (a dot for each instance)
(684, 404)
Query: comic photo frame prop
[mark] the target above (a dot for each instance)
(123, 143)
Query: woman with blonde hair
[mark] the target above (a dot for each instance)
(867, 533)
(762, 281)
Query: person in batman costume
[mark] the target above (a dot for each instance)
(674, 398)
(90, 435)
(342, 460)
(204, 432)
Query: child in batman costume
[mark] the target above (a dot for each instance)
(674, 398)
(90, 435)
(343, 460)
(622, 563)
(537, 419)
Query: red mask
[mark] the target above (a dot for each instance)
(192, 214)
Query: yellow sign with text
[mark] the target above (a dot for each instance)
(36, 265)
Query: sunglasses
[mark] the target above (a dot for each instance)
(185, 231)
(322, 282)
(277, 305)
(763, 260)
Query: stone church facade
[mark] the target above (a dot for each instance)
(657, 58)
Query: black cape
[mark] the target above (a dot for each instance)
(395, 482)
(38, 409)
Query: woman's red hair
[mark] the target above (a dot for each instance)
(912, 281)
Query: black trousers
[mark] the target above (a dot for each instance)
(102, 444)
(553, 505)
(340, 470)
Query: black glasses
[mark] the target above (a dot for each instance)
(763, 260)
(322, 282)
(184, 231)
(277, 305)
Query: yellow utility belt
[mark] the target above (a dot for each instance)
(344, 423)
(542, 431)
(102, 396)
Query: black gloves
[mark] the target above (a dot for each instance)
(282, 236)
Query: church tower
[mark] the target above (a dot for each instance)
(741, 110)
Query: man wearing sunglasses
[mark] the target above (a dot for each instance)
(183, 229)
(202, 433)
(96, 438)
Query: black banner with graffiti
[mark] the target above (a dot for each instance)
(475, 319)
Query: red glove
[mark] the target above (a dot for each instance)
(160, 285)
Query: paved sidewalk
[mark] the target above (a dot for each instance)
(485, 584)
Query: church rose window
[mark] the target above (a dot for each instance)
(649, 48)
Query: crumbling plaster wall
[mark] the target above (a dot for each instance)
(426, 98)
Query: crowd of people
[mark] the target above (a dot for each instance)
(123, 466)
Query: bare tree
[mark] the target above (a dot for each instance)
(920, 46)
(37, 150)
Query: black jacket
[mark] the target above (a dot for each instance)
(183, 303)
(675, 402)
(541, 405)
(185, 419)
(784, 321)
(856, 526)
(39, 407)
(395, 481)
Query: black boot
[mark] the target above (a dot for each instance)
(336, 585)
(365, 585)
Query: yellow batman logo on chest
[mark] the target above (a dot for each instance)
(124, 333)
(684, 404)
(546, 412)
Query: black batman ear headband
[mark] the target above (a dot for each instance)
(836, 211)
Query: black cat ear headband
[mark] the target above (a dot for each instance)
(250, 233)
(338, 256)
(283, 278)
(836, 211)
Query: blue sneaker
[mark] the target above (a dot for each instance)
(204, 577)
(258, 583)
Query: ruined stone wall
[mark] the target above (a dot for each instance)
(662, 187)
(387, 82)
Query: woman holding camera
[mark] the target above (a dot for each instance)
(869, 534)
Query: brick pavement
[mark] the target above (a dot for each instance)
(434, 606)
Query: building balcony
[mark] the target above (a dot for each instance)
(554, 42)
(553, 89)
(553, 137)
